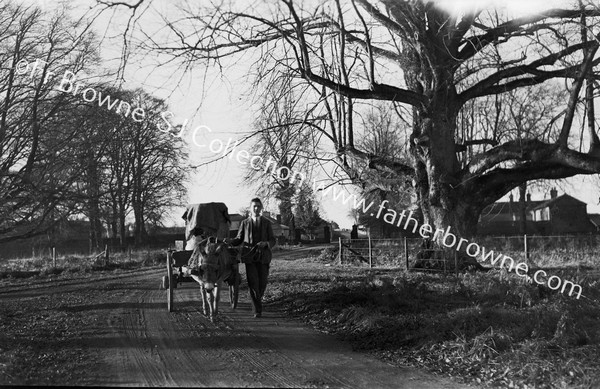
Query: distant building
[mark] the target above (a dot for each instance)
(281, 231)
(558, 215)
(320, 233)
(595, 219)
(236, 219)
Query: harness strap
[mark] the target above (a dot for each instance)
(250, 253)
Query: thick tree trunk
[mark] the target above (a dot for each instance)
(122, 228)
(457, 216)
(114, 219)
(140, 230)
(285, 194)
(120, 214)
(95, 233)
(436, 165)
(441, 197)
(93, 193)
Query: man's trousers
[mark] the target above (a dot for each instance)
(257, 274)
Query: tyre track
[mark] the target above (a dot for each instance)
(184, 348)
(142, 357)
(281, 369)
(228, 354)
(137, 342)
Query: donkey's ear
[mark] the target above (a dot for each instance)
(205, 249)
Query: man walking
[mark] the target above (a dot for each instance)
(257, 232)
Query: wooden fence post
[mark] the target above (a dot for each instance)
(406, 251)
(106, 255)
(341, 250)
(370, 253)
(54, 257)
(526, 248)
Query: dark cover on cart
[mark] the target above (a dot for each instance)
(206, 217)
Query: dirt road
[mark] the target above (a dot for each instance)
(115, 330)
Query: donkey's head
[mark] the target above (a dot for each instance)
(210, 253)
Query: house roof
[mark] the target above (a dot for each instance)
(236, 217)
(595, 219)
(507, 207)
(547, 203)
(500, 207)
(275, 222)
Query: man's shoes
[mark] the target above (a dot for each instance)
(257, 315)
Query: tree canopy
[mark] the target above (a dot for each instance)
(434, 66)
(64, 155)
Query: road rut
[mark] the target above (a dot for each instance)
(121, 326)
(149, 346)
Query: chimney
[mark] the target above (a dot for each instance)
(553, 193)
(279, 219)
(528, 197)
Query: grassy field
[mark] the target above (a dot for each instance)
(490, 328)
(65, 265)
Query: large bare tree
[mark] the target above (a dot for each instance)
(385, 135)
(37, 175)
(157, 166)
(282, 139)
(423, 56)
(63, 156)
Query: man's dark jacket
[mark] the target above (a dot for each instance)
(266, 234)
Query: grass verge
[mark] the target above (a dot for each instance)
(491, 329)
(43, 267)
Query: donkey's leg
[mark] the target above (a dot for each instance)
(211, 303)
(217, 296)
(203, 294)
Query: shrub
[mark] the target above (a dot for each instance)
(328, 254)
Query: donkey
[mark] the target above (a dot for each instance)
(210, 264)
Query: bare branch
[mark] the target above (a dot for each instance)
(476, 43)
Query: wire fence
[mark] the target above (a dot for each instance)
(417, 254)
(394, 252)
(43, 247)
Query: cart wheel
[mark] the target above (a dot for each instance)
(170, 296)
(165, 282)
(170, 282)
(234, 291)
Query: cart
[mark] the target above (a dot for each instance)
(175, 276)
(203, 221)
